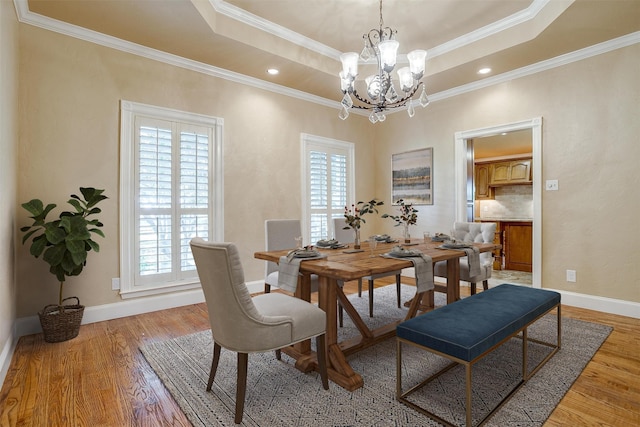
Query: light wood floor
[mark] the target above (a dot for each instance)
(101, 379)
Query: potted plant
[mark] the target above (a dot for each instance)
(408, 216)
(64, 244)
(354, 217)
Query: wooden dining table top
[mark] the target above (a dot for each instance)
(343, 264)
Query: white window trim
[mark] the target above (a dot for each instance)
(127, 192)
(308, 142)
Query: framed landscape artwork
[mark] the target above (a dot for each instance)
(411, 174)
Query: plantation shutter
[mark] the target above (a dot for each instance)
(329, 181)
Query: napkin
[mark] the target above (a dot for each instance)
(473, 258)
(330, 244)
(289, 267)
(473, 255)
(423, 265)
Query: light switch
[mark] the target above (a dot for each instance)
(551, 185)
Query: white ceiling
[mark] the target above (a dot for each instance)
(303, 38)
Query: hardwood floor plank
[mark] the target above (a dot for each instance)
(100, 378)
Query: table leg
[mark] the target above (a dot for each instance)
(453, 280)
(340, 372)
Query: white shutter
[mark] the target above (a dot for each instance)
(171, 162)
(328, 172)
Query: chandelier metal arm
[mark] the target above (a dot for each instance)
(379, 106)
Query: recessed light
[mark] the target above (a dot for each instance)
(273, 71)
(485, 70)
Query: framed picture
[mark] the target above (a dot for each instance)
(411, 174)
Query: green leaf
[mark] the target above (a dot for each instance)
(54, 254)
(38, 246)
(94, 245)
(76, 204)
(54, 233)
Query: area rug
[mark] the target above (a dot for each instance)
(280, 395)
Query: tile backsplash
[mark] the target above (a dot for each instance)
(511, 202)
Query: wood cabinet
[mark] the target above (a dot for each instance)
(482, 176)
(497, 253)
(510, 172)
(489, 175)
(517, 245)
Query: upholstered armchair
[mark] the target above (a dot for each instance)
(480, 232)
(246, 325)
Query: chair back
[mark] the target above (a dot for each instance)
(280, 234)
(478, 232)
(232, 313)
(341, 235)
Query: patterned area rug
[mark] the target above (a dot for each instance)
(280, 395)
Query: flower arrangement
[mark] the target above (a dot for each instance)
(408, 216)
(353, 216)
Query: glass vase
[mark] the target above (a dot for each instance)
(407, 237)
(356, 242)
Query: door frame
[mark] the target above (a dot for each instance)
(535, 124)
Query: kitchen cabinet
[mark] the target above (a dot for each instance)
(517, 246)
(482, 176)
(510, 172)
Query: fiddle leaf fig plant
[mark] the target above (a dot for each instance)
(65, 242)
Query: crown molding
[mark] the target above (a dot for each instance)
(284, 33)
(538, 67)
(27, 17)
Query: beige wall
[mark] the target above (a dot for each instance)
(70, 92)
(8, 142)
(590, 144)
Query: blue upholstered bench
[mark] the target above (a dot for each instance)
(467, 330)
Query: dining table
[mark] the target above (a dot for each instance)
(338, 266)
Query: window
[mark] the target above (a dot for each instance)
(170, 192)
(329, 184)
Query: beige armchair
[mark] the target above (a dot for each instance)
(246, 325)
(480, 232)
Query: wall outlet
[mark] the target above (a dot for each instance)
(551, 185)
(571, 275)
(115, 284)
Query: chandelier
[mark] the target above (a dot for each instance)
(381, 94)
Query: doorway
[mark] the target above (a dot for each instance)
(463, 146)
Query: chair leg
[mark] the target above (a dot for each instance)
(340, 315)
(473, 288)
(279, 354)
(322, 360)
(371, 298)
(360, 288)
(485, 285)
(241, 386)
(398, 286)
(214, 365)
(267, 288)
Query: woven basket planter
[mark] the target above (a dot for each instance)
(61, 322)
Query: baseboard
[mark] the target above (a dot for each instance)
(31, 324)
(602, 304)
(5, 357)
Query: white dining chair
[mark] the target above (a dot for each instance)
(281, 234)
